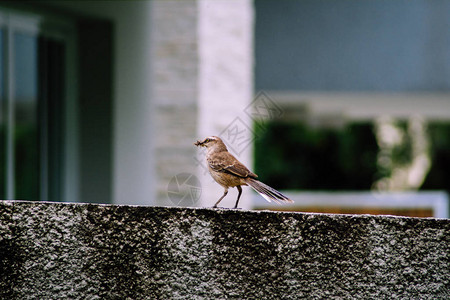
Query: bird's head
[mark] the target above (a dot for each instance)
(212, 142)
(208, 142)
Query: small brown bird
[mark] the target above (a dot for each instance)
(227, 171)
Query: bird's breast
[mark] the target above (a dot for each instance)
(225, 179)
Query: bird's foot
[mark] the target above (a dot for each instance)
(226, 207)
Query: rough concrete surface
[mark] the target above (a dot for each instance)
(86, 251)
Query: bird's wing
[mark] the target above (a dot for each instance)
(227, 163)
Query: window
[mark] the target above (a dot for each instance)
(33, 106)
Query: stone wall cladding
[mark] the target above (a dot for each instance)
(202, 80)
(74, 251)
(174, 89)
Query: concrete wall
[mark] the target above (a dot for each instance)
(352, 45)
(74, 251)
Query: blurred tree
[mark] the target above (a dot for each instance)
(439, 175)
(292, 155)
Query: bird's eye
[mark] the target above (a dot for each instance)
(207, 140)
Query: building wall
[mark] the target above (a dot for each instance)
(203, 81)
(175, 79)
(132, 162)
(182, 71)
(353, 45)
(226, 87)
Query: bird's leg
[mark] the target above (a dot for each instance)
(239, 195)
(225, 192)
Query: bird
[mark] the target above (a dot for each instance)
(229, 172)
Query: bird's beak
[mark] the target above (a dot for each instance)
(200, 144)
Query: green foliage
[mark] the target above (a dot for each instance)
(292, 155)
(402, 153)
(295, 156)
(439, 175)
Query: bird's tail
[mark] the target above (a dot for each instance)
(268, 193)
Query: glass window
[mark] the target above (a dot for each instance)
(3, 158)
(51, 55)
(32, 98)
(26, 135)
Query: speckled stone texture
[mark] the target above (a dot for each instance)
(85, 251)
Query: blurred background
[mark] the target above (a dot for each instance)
(342, 105)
